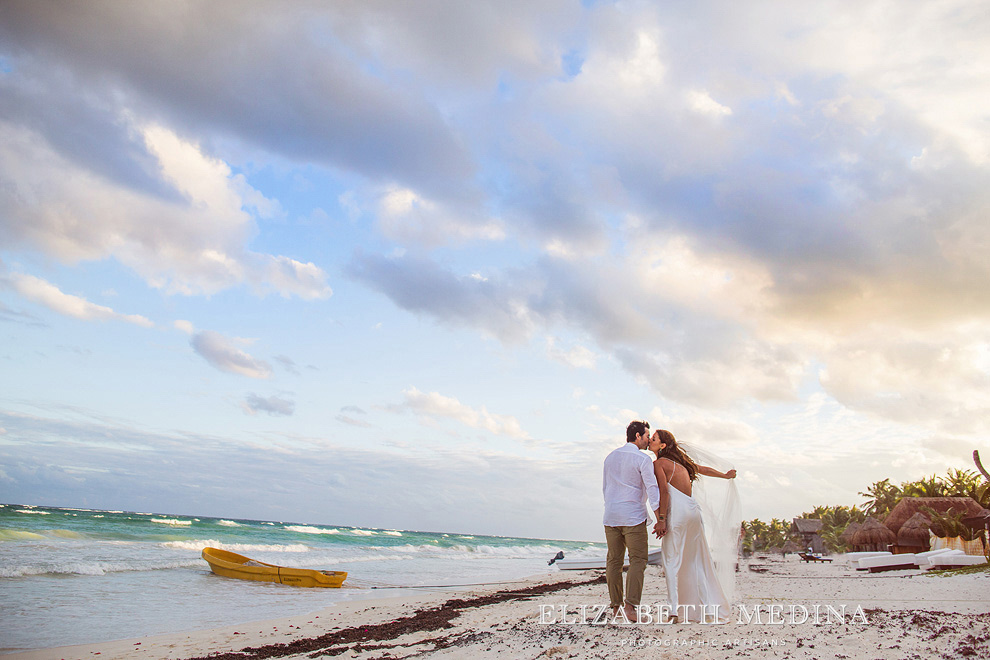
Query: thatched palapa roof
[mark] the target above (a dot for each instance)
(806, 525)
(908, 506)
(791, 546)
(915, 530)
(979, 521)
(872, 532)
(851, 529)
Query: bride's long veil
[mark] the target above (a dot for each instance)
(722, 515)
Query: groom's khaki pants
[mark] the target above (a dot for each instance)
(635, 538)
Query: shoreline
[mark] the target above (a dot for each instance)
(259, 632)
(904, 615)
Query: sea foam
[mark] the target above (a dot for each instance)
(90, 568)
(171, 521)
(309, 529)
(234, 547)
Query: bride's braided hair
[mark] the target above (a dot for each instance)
(674, 453)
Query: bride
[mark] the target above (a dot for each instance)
(692, 583)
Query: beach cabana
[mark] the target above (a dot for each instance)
(808, 529)
(912, 537)
(847, 535)
(791, 547)
(908, 506)
(979, 521)
(873, 535)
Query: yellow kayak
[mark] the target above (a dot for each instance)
(230, 564)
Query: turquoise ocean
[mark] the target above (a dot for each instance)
(76, 576)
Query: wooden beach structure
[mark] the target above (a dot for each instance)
(847, 535)
(809, 530)
(913, 535)
(907, 507)
(790, 548)
(873, 536)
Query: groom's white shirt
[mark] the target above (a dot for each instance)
(627, 482)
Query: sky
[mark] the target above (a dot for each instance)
(417, 265)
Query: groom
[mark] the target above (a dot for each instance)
(628, 480)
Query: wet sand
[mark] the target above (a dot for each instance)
(789, 610)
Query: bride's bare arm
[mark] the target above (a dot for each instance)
(661, 529)
(712, 472)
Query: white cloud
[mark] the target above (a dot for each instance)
(837, 224)
(222, 353)
(184, 326)
(784, 92)
(632, 62)
(273, 405)
(460, 489)
(49, 295)
(578, 357)
(435, 405)
(929, 59)
(191, 243)
(938, 379)
(351, 421)
(288, 364)
(718, 434)
(702, 103)
(406, 216)
(717, 284)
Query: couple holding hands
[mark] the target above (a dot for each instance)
(630, 479)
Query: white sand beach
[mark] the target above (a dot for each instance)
(902, 614)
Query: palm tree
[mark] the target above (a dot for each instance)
(930, 487)
(835, 519)
(830, 537)
(982, 495)
(883, 496)
(961, 483)
(777, 533)
(950, 524)
(979, 465)
(756, 533)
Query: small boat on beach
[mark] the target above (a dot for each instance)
(231, 564)
(598, 563)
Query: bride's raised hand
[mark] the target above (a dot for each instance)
(731, 474)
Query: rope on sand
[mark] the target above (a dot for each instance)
(438, 586)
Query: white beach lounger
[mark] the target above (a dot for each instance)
(924, 558)
(887, 563)
(598, 563)
(854, 557)
(951, 561)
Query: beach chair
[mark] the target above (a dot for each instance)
(925, 559)
(809, 557)
(854, 557)
(956, 561)
(882, 563)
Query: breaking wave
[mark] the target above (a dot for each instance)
(308, 529)
(234, 547)
(90, 568)
(171, 521)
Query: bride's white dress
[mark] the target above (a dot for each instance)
(687, 563)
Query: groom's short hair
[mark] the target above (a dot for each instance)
(636, 428)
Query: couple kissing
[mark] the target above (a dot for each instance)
(630, 480)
